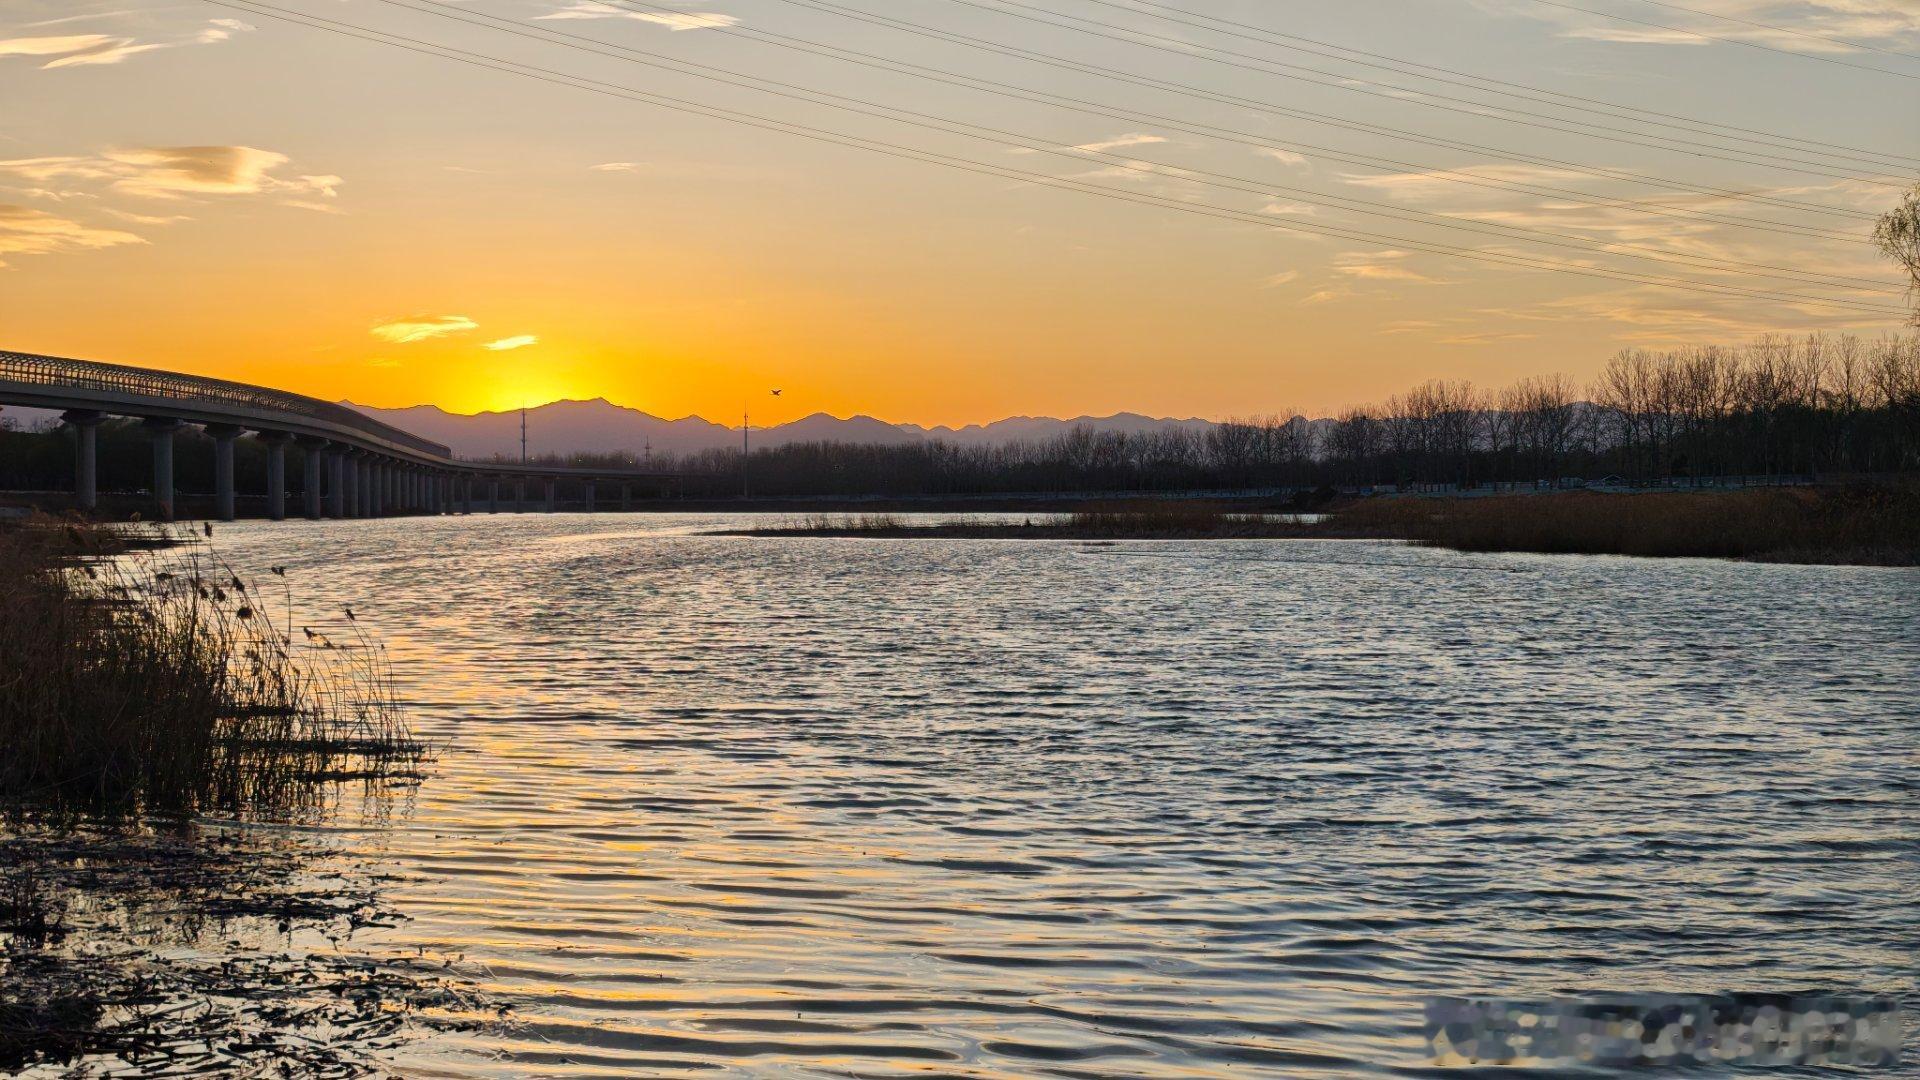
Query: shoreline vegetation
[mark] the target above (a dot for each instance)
(140, 676)
(1863, 526)
(142, 685)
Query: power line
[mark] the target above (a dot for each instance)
(1015, 9)
(1187, 90)
(1470, 80)
(1726, 40)
(1462, 177)
(1040, 144)
(529, 71)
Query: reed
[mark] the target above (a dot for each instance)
(1163, 518)
(848, 524)
(1865, 525)
(139, 675)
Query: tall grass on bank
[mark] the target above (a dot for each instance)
(1175, 519)
(157, 682)
(1863, 526)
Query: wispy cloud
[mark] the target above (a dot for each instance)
(672, 20)
(1274, 281)
(423, 328)
(1120, 142)
(518, 342)
(1486, 338)
(26, 231)
(53, 45)
(91, 50)
(1820, 27)
(1285, 157)
(174, 172)
(1380, 266)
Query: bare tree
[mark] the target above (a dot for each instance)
(1898, 234)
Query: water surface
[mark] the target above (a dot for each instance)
(876, 808)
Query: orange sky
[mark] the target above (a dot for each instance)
(231, 195)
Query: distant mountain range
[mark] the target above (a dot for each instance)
(601, 427)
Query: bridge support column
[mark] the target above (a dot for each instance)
(466, 495)
(161, 431)
(85, 474)
(350, 489)
(550, 499)
(520, 496)
(223, 436)
(316, 461)
(493, 494)
(626, 497)
(337, 483)
(589, 496)
(276, 444)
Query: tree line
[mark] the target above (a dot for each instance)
(1777, 407)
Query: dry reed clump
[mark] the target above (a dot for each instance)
(139, 675)
(849, 524)
(1168, 518)
(1863, 526)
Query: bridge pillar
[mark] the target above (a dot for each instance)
(589, 496)
(161, 431)
(85, 482)
(466, 495)
(626, 497)
(493, 494)
(350, 483)
(276, 444)
(520, 495)
(316, 462)
(550, 500)
(337, 483)
(223, 436)
(369, 504)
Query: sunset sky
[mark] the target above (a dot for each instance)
(209, 188)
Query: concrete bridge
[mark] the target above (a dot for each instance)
(356, 466)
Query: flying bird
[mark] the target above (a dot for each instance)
(776, 393)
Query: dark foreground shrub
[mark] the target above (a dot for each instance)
(156, 682)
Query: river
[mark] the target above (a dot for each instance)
(784, 807)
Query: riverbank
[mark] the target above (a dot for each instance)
(1868, 526)
(144, 686)
(1139, 521)
(1876, 526)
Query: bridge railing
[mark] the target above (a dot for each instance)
(54, 371)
